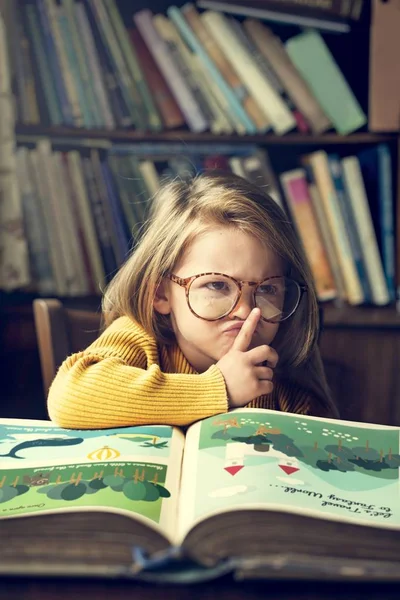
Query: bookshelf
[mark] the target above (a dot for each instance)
(365, 336)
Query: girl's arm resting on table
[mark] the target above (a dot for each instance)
(94, 391)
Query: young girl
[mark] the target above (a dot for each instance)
(215, 309)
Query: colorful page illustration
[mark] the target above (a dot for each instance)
(256, 459)
(134, 469)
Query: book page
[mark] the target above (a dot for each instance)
(131, 470)
(260, 459)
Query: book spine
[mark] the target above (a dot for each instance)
(268, 73)
(93, 115)
(271, 103)
(26, 83)
(130, 93)
(70, 87)
(258, 169)
(167, 105)
(150, 177)
(183, 58)
(81, 284)
(295, 186)
(60, 216)
(223, 122)
(99, 218)
(124, 236)
(224, 67)
(188, 35)
(273, 50)
(119, 107)
(55, 66)
(185, 99)
(319, 164)
(38, 242)
(96, 83)
(123, 180)
(73, 67)
(385, 200)
(44, 200)
(335, 169)
(118, 234)
(153, 117)
(356, 191)
(86, 219)
(43, 66)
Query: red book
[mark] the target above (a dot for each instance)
(169, 109)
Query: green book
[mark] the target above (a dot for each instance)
(317, 66)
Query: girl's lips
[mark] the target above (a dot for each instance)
(234, 328)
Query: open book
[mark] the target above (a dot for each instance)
(258, 492)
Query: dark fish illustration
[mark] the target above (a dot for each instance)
(41, 443)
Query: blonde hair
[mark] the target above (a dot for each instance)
(182, 210)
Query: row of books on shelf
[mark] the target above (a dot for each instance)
(77, 64)
(83, 209)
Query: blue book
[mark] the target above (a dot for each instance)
(55, 65)
(118, 105)
(47, 92)
(73, 66)
(123, 237)
(376, 170)
(187, 34)
(99, 220)
(335, 169)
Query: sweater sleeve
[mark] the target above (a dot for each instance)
(113, 384)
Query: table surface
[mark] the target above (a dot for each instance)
(221, 589)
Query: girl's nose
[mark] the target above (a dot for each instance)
(245, 304)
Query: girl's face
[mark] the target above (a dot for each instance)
(222, 250)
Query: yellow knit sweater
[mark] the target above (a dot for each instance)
(125, 378)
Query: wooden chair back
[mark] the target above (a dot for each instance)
(61, 331)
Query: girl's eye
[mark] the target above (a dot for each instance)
(267, 289)
(216, 286)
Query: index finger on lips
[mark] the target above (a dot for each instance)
(245, 335)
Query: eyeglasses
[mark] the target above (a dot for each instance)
(213, 296)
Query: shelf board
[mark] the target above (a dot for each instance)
(132, 136)
(365, 317)
(14, 304)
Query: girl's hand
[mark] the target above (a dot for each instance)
(245, 377)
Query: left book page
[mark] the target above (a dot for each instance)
(134, 471)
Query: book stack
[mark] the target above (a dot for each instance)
(80, 65)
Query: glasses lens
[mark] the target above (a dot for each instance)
(277, 298)
(212, 296)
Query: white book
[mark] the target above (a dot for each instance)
(167, 30)
(319, 163)
(86, 219)
(150, 176)
(235, 164)
(270, 102)
(355, 187)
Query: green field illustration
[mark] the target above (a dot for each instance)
(301, 441)
(138, 487)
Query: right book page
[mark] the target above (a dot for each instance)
(252, 459)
